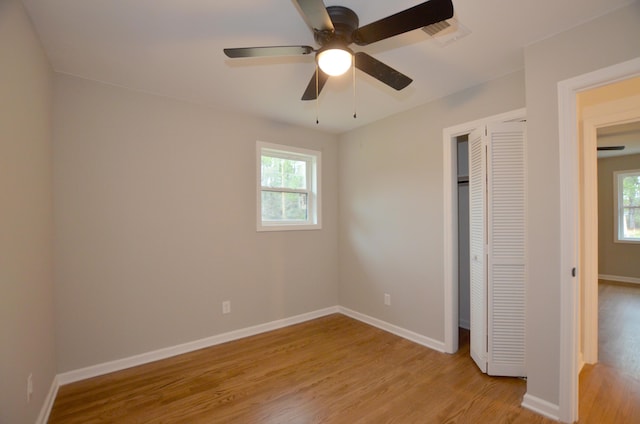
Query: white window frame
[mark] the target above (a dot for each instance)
(313, 159)
(618, 210)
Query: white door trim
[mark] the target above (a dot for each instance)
(569, 218)
(450, 192)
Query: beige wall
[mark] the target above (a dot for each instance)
(605, 41)
(616, 259)
(155, 216)
(26, 227)
(391, 206)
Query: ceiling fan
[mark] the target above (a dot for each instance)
(336, 27)
(606, 148)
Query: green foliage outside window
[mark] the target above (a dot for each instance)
(631, 206)
(289, 176)
(282, 206)
(284, 173)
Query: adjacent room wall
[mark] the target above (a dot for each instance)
(26, 225)
(615, 259)
(391, 206)
(155, 217)
(608, 40)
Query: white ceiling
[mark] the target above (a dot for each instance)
(627, 135)
(174, 48)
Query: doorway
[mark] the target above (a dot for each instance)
(464, 274)
(609, 117)
(570, 234)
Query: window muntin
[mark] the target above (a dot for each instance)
(288, 188)
(627, 206)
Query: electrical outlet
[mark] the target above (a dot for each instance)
(29, 387)
(226, 307)
(387, 299)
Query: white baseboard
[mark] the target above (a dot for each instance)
(145, 358)
(398, 331)
(619, 279)
(48, 402)
(132, 361)
(541, 406)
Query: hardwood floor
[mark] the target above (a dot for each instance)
(610, 390)
(330, 370)
(338, 370)
(619, 326)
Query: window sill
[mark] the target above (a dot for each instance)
(288, 227)
(623, 241)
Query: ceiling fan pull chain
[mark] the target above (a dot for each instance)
(355, 115)
(317, 95)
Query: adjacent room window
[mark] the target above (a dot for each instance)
(627, 206)
(288, 188)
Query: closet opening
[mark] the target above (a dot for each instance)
(462, 144)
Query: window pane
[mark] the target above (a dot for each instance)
(631, 207)
(279, 206)
(631, 220)
(283, 173)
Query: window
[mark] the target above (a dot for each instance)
(627, 206)
(288, 188)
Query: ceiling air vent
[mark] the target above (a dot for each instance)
(446, 32)
(432, 30)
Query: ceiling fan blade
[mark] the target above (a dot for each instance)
(268, 51)
(310, 92)
(610, 148)
(316, 15)
(415, 17)
(381, 72)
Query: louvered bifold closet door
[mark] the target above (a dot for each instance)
(477, 249)
(506, 245)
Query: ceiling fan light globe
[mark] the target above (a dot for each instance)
(335, 62)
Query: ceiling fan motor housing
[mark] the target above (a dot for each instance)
(345, 22)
